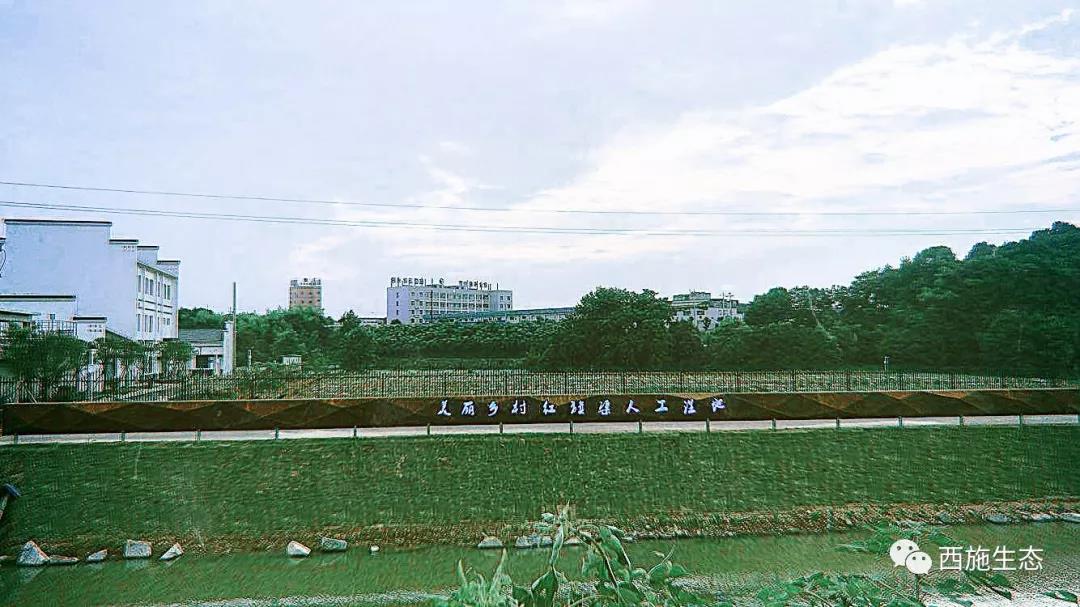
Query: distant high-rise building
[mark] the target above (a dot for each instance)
(306, 292)
(417, 300)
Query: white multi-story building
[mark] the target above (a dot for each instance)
(415, 300)
(69, 271)
(704, 310)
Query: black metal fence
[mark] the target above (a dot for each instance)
(452, 382)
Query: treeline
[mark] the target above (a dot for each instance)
(323, 342)
(1014, 307)
(1011, 308)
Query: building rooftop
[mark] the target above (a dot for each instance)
(150, 266)
(78, 222)
(35, 296)
(13, 314)
(202, 336)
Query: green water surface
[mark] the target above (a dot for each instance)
(396, 576)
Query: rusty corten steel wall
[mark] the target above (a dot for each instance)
(97, 417)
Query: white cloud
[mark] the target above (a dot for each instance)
(907, 127)
(454, 147)
(959, 125)
(591, 12)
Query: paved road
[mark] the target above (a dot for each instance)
(582, 428)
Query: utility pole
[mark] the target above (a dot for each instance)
(233, 362)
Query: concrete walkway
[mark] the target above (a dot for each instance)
(560, 428)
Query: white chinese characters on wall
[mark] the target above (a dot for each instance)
(600, 406)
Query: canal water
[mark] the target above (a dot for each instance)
(409, 576)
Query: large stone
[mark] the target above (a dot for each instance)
(490, 542)
(1039, 517)
(31, 556)
(996, 518)
(948, 519)
(136, 549)
(333, 544)
(573, 541)
(62, 560)
(527, 541)
(373, 549)
(98, 556)
(1069, 517)
(297, 549)
(173, 552)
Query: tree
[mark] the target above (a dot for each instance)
(686, 348)
(175, 356)
(357, 347)
(43, 358)
(777, 345)
(773, 306)
(199, 318)
(119, 357)
(613, 329)
(303, 331)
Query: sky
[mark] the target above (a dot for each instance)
(686, 110)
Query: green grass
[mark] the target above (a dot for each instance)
(77, 494)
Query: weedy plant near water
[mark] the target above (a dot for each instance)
(609, 575)
(902, 589)
(610, 578)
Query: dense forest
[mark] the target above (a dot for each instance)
(1014, 308)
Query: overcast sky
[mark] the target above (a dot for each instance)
(603, 105)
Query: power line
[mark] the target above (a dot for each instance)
(449, 227)
(734, 213)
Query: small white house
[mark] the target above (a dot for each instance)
(212, 349)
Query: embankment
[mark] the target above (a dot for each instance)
(219, 496)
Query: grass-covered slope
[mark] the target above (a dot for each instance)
(82, 494)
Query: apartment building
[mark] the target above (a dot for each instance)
(414, 300)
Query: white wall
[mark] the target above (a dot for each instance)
(63, 309)
(442, 299)
(56, 259)
(77, 258)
